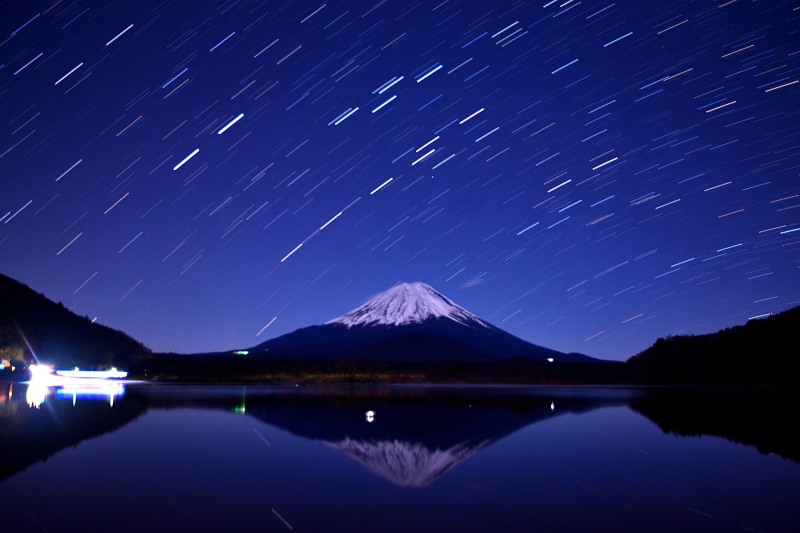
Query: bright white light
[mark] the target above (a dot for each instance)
(35, 394)
(370, 416)
(549, 359)
(40, 370)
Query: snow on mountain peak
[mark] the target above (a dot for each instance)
(406, 303)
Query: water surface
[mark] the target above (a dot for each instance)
(167, 458)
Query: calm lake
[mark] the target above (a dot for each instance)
(188, 458)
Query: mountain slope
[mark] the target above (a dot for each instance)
(409, 322)
(56, 334)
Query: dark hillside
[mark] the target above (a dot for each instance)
(762, 351)
(56, 334)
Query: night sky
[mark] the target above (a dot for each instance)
(587, 175)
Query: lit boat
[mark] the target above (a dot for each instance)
(93, 374)
(74, 383)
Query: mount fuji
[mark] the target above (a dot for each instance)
(408, 322)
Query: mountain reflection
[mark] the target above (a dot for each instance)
(415, 436)
(759, 417)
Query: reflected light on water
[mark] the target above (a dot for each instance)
(94, 391)
(36, 393)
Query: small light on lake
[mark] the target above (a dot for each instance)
(549, 359)
(552, 406)
(370, 416)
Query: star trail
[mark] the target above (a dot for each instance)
(587, 175)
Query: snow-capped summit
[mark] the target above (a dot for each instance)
(404, 304)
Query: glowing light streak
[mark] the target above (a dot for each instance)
(287, 256)
(618, 39)
(268, 324)
(717, 186)
(320, 8)
(389, 84)
(23, 67)
(282, 519)
(345, 116)
(720, 106)
(564, 66)
(119, 35)
(325, 225)
(731, 213)
(632, 318)
(185, 159)
(84, 283)
(668, 203)
(679, 74)
(508, 39)
(266, 48)
(18, 212)
(69, 243)
(782, 86)
(471, 116)
(557, 223)
(594, 15)
(593, 136)
(131, 289)
(429, 72)
(559, 185)
(598, 220)
(222, 41)
(29, 21)
(486, 134)
(739, 50)
(423, 157)
(601, 165)
(379, 187)
(541, 130)
(384, 104)
(682, 262)
(607, 198)
(570, 205)
(672, 27)
(70, 168)
(130, 242)
(506, 28)
(175, 77)
(421, 148)
(107, 211)
(443, 161)
(62, 78)
(176, 89)
(529, 227)
(227, 126)
(290, 54)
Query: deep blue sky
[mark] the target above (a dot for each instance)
(586, 175)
